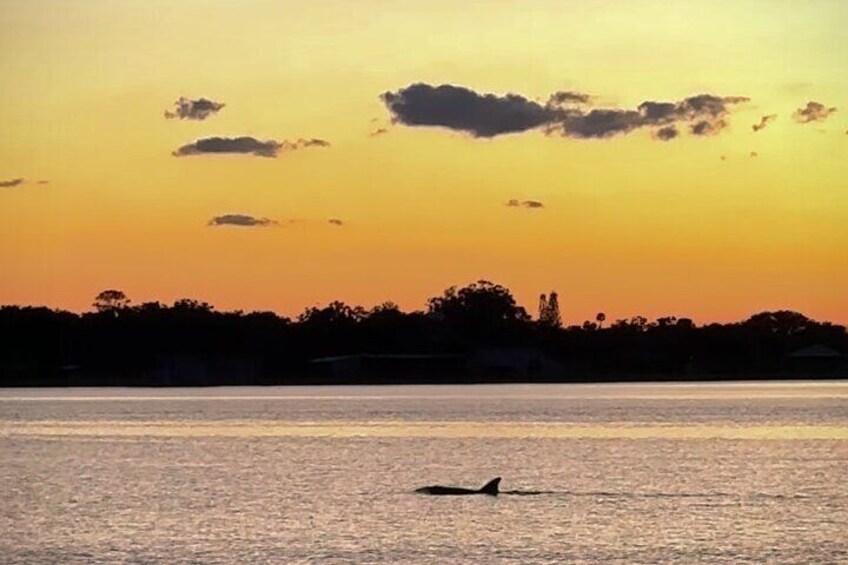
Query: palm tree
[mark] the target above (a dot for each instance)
(600, 317)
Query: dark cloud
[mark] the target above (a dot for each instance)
(488, 115)
(10, 183)
(199, 109)
(707, 111)
(764, 121)
(599, 123)
(658, 112)
(723, 158)
(514, 203)
(708, 105)
(812, 112)
(707, 127)
(667, 133)
(378, 131)
(241, 220)
(753, 154)
(245, 145)
(462, 109)
(335, 222)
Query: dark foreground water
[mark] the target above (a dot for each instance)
(705, 473)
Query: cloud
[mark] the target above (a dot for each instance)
(462, 109)
(245, 145)
(248, 145)
(305, 143)
(753, 154)
(241, 220)
(667, 133)
(43, 181)
(488, 115)
(599, 123)
(764, 121)
(707, 127)
(563, 98)
(812, 112)
(379, 131)
(335, 222)
(707, 111)
(199, 109)
(10, 183)
(514, 203)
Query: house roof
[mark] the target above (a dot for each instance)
(817, 352)
(390, 356)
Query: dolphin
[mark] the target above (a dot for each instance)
(490, 488)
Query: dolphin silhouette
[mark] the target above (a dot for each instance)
(490, 488)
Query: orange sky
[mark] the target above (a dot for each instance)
(630, 224)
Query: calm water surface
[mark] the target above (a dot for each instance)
(681, 473)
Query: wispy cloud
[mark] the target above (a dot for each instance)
(312, 142)
(565, 98)
(240, 220)
(764, 121)
(812, 112)
(245, 145)
(379, 131)
(10, 183)
(335, 222)
(200, 109)
(488, 115)
(515, 203)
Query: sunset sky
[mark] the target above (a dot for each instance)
(331, 110)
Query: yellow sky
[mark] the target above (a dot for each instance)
(631, 225)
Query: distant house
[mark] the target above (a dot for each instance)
(515, 363)
(511, 364)
(388, 368)
(203, 370)
(817, 359)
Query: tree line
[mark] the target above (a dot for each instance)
(119, 343)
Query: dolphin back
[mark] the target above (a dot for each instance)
(491, 488)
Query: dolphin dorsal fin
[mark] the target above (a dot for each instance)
(491, 487)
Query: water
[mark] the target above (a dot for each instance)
(704, 473)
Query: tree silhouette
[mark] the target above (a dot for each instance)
(483, 302)
(335, 312)
(111, 301)
(192, 305)
(781, 322)
(549, 311)
(480, 313)
(600, 317)
(189, 343)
